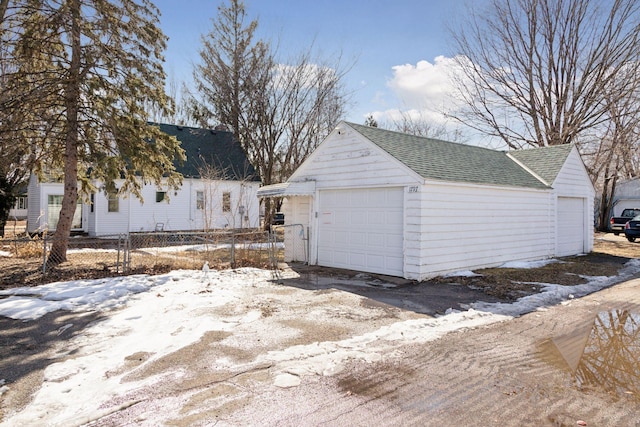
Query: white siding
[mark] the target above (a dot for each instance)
(446, 226)
(573, 182)
(34, 203)
(296, 215)
(179, 213)
(102, 222)
(627, 196)
(347, 160)
(39, 218)
(571, 226)
(469, 227)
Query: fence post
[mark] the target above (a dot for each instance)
(233, 249)
(118, 256)
(44, 253)
(126, 261)
(270, 238)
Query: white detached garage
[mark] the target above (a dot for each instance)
(390, 203)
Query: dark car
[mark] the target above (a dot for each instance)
(632, 229)
(278, 219)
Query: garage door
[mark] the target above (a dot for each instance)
(361, 230)
(571, 225)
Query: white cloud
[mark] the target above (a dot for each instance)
(424, 85)
(424, 90)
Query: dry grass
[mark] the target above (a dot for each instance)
(609, 255)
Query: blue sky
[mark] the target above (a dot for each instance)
(400, 48)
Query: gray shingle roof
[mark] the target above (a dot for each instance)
(448, 161)
(546, 162)
(217, 148)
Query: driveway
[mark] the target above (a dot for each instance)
(430, 298)
(323, 349)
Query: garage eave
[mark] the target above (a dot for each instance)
(288, 189)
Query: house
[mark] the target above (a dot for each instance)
(384, 202)
(218, 191)
(626, 195)
(19, 209)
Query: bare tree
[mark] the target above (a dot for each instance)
(222, 205)
(534, 72)
(612, 154)
(416, 123)
(279, 110)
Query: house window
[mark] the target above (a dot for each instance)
(92, 202)
(160, 196)
(226, 202)
(113, 202)
(21, 203)
(200, 200)
(54, 205)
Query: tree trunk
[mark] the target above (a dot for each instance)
(608, 192)
(58, 252)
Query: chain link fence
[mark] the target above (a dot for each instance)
(27, 261)
(190, 250)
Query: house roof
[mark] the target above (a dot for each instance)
(449, 161)
(216, 148)
(545, 162)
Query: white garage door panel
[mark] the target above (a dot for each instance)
(571, 225)
(362, 230)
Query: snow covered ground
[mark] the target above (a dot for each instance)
(156, 316)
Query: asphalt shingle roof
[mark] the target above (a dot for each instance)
(546, 162)
(449, 161)
(217, 148)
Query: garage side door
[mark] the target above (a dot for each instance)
(361, 229)
(571, 225)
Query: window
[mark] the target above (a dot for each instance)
(92, 202)
(54, 205)
(226, 202)
(113, 202)
(160, 196)
(21, 203)
(200, 200)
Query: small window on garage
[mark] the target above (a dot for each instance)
(226, 202)
(113, 204)
(161, 196)
(200, 200)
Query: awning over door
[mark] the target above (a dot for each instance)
(285, 189)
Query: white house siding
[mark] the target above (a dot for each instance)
(34, 203)
(39, 218)
(296, 211)
(415, 227)
(347, 160)
(179, 213)
(623, 204)
(573, 183)
(627, 196)
(105, 223)
(468, 227)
